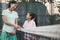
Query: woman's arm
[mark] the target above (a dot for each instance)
(16, 21)
(6, 22)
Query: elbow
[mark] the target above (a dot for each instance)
(4, 21)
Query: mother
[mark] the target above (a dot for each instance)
(10, 21)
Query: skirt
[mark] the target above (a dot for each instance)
(7, 36)
(28, 36)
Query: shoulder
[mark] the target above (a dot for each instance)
(32, 21)
(25, 21)
(15, 12)
(4, 10)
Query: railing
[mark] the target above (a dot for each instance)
(50, 32)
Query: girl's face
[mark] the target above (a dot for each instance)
(28, 17)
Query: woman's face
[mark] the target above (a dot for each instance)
(13, 6)
(28, 16)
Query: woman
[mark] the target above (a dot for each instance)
(10, 20)
(28, 24)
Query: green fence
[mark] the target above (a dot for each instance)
(0, 16)
(35, 7)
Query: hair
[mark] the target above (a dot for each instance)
(11, 2)
(32, 15)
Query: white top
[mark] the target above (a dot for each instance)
(30, 24)
(11, 16)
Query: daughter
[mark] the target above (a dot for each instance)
(29, 23)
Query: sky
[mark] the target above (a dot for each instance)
(57, 0)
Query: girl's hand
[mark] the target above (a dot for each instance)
(19, 28)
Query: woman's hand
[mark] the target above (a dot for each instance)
(16, 26)
(19, 28)
(14, 32)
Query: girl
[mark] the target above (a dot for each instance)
(10, 21)
(29, 23)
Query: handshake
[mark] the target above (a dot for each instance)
(16, 26)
